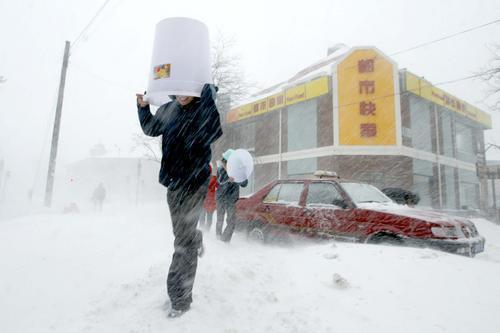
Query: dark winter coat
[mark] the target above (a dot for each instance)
(187, 132)
(228, 192)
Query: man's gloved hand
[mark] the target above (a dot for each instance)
(140, 100)
(209, 91)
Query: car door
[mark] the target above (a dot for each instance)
(269, 210)
(291, 197)
(326, 210)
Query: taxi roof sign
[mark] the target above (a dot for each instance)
(325, 174)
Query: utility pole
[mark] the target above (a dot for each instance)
(55, 133)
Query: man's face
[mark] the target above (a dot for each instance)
(184, 100)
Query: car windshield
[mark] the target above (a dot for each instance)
(361, 193)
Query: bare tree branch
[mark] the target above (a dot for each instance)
(150, 146)
(227, 73)
(491, 75)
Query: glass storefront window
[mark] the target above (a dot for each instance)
(420, 124)
(244, 135)
(423, 177)
(302, 134)
(465, 142)
(446, 133)
(469, 189)
(448, 177)
(302, 167)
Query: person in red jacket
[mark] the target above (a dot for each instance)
(209, 204)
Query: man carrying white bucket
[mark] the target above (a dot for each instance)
(180, 68)
(188, 126)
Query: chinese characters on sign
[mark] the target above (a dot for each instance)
(276, 101)
(368, 130)
(367, 108)
(296, 94)
(451, 102)
(366, 66)
(367, 99)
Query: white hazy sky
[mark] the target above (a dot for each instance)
(274, 38)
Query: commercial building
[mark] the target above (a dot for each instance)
(358, 114)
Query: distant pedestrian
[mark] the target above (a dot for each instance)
(98, 196)
(209, 204)
(228, 192)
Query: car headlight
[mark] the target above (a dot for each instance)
(447, 232)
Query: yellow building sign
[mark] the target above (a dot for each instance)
(290, 96)
(296, 94)
(425, 89)
(366, 99)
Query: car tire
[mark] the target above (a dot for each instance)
(268, 233)
(278, 234)
(386, 239)
(256, 232)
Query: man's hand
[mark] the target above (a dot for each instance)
(209, 91)
(140, 100)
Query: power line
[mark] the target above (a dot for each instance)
(445, 37)
(391, 54)
(442, 83)
(428, 43)
(100, 78)
(77, 39)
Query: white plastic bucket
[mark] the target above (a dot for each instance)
(181, 60)
(240, 165)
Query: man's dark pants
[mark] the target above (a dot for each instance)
(224, 206)
(185, 208)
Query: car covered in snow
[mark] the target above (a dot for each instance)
(325, 205)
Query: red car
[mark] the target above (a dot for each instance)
(353, 211)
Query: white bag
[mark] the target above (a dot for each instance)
(181, 60)
(240, 165)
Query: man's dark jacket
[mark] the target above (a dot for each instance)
(187, 132)
(228, 192)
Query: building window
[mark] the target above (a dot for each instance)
(450, 187)
(465, 142)
(420, 124)
(245, 135)
(423, 178)
(469, 189)
(302, 134)
(446, 133)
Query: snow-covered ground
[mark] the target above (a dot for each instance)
(92, 272)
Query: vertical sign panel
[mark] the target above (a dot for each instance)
(366, 99)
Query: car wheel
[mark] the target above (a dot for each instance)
(256, 232)
(278, 234)
(386, 239)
